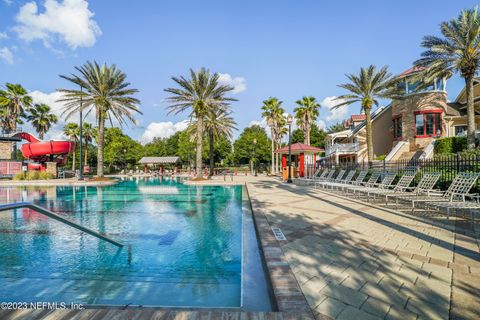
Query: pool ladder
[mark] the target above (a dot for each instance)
(53, 215)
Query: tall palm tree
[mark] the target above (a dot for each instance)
(200, 94)
(218, 123)
(306, 113)
(367, 87)
(457, 51)
(41, 119)
(14, 102)
(104, 90)
(88, 133)
(273, 114)
(71, 130)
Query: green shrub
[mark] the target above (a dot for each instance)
(450, 145)
(473, 152)
(381, 157)
(44, 175)
(19, 176)
(459, 144)
(32, 175)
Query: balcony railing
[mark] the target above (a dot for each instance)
(342, 148)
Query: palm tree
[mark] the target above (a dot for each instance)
(88, 133)
(218, 123)
(306, 114)
(41, 119)
(457, 51)
(71, 130)
(273, 114)
(366, 88)
(14, 101)
(104, 90)
(202, 93)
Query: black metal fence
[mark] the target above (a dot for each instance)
(448, 166)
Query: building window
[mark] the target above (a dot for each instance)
(397, 128)
(439, 84)
(461, 130)
(428, 123)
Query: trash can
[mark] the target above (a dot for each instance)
(285, 172)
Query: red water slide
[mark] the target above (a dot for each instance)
(42, 151)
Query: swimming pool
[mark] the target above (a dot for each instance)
(185, 246)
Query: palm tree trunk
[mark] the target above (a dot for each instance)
(470, 113)
(307, 130)
(212, 162)
(273, 154)
(40, 135)
(74, 156)
(101, 144)
(368, 129)
(277, 158)
(86, 153)
(199, 147)
(307, 135)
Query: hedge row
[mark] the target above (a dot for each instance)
(450, 145)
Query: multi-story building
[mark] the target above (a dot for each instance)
(409, 125)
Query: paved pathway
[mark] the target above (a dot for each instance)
(356, 261)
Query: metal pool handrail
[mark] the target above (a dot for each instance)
(55, 216)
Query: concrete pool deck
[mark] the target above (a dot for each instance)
(349, 260)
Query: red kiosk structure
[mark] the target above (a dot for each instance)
(304, 158)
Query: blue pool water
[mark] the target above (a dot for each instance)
(183, 246)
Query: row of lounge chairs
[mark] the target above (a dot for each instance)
(392, 187)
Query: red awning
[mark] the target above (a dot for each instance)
(300, 148)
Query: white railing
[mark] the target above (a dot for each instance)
(342, 148)
(428, 151)
(398, 147)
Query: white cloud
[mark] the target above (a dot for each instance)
(3, 35)
(239, 84)
(337, 114)
(51, 99)
(6, 55)
(162, 130)
(69, 21)
(8, 2)
(321, 124)
(262, 123)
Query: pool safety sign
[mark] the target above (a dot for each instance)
(277, 232)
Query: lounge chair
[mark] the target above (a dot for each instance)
(315, 175)
(471, 206)
(386, 183)
(338, 177)
(372, 180)
(358, 181)
(338, 184)
(457, 191)
(401, 186)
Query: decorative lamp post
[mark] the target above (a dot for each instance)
(289, 121)
(255, 156)
(80, 167)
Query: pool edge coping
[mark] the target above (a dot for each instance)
(288, 295)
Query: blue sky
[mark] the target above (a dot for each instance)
(267, 48)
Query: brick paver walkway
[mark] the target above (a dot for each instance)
(356, 261)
